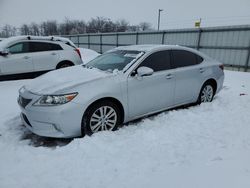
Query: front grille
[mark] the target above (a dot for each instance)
(23, 101)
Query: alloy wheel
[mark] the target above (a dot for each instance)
(207, 94)
(104, 118)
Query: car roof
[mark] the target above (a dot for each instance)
(150, 47)
(147, 48)
(11, 40)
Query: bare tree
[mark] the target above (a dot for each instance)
(133, 28)
(8, 31)
(145, 26)
(100, 25)
(25, 30)
(70, 27)
(122, 25)
(73, 31)
(49, 28)
(34, 29)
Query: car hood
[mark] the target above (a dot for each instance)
(56, 81)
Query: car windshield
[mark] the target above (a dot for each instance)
(115, 60)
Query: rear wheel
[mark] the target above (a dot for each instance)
(206, 93)
(102, 116)
(64, 65)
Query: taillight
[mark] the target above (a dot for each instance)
(221, 67)
(78, 52)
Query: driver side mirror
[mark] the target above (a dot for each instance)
(5, 52)
(144, 71)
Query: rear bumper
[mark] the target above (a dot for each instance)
(220, 82)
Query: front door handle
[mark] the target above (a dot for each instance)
(169, 76)
(202, 70)
(53, 53)
(26, 57)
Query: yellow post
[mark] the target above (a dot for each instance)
(198, 23)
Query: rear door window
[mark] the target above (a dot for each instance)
(44, 46)
(183, 58)
(55, 46)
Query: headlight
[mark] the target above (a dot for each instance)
(52, 100)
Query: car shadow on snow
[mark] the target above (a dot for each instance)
(152, 116)
(38, 141)
(17, 129)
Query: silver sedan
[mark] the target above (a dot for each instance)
(121, 85)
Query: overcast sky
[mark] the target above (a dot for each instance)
(176, 14)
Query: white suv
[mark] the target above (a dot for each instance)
(30, 56)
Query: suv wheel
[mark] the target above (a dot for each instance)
(64, 65)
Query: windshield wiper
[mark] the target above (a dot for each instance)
(88, 67)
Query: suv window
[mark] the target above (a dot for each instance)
(158, 61)
(182, 58)
(55, 47)
(21, 47)
(199, 59)
(44, 46)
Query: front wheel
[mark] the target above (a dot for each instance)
(102, 116)
(206, 94)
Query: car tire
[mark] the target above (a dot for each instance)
(207, 93)
(101, 116)
(64, 65)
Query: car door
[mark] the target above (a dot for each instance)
(19, 59)
(188, 74)
(45, 55)
(155, 92)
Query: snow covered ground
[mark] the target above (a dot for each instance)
(206, 146)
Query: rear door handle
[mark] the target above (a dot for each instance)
(169, 76)
(53, 53)
(202, 70)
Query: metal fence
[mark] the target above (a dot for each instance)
(230, 45)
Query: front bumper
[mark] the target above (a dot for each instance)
(62, 121)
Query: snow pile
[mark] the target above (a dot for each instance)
(87, 54)
(202, 146)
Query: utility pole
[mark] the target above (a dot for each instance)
(159, 18)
